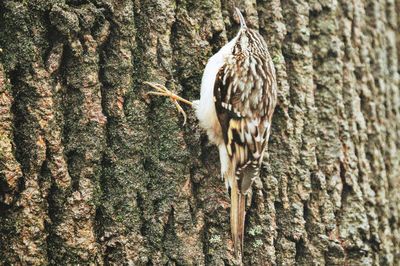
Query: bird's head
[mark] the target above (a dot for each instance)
(247, 40)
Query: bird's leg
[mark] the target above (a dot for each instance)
(163, 91)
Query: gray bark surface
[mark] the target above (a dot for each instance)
(93, 172)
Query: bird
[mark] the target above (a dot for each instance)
(237, 99)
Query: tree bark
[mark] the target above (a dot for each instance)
(93, 172)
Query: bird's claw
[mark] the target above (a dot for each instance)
(180, 110)
(161, 90)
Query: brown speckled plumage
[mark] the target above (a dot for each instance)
(245, 98)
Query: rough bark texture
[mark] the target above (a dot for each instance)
(94, 173)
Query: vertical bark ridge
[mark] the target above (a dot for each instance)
(83, 30)
(295, 177)
(273, 29)
(191, 38)
(326, 78)
(353, 162)
(119, 214)
(376, 115)
(327, 63)
(165, 153)
(33, 111)
(10, 169)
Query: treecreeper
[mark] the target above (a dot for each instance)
(237, 100)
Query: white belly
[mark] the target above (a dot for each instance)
(205, 108)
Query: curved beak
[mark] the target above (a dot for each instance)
(241, 18)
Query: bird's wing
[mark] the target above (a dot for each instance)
(241, 104)
(244, 107)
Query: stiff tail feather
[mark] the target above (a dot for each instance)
(238, 213)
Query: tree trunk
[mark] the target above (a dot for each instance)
(93, 172)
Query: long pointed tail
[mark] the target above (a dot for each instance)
(238, 213)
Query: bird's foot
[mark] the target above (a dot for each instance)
(161, 90)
